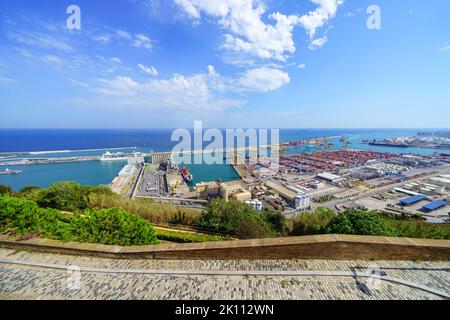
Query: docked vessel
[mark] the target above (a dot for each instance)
(187, 176)
(118, 156)
(388, 144)
(10, 172)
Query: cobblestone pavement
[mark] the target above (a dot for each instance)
(31, 282)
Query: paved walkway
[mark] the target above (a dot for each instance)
(42, 277)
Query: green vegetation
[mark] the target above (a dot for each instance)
(312, 223)
(421, 230)
(155, 213)
(240, 220)
(323, 199)
(187, 237)
(110, 226)
(360, 223)
(5, 190)
(69, 196)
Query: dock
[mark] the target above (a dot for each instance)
(30, 162)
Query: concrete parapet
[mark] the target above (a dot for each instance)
(334, 247)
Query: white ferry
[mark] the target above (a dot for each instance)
(118, 156)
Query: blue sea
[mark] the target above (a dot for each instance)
(101, 173)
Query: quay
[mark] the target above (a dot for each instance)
(29, 162)
(24, 153)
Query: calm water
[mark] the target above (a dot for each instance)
(98, 173)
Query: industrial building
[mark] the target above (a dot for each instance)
(282, 191)
(412, 200)
(435, 205)
(329, 177)
(440, 181)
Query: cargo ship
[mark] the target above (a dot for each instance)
(187, 176)
(10, 172)
(388, 144)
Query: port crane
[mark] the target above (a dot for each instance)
(345, 143)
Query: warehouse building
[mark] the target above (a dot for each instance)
(412, 200)
(440, 181)
(435, 205)
(329, 177)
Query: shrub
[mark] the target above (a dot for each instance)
(422, 230)
(276, 220)
(69, 196)
(235, 218)
(112, 226)
(30, 193)
(22, 217)
(186, 237)
(153, 212)
(360, 223)
(312, 223)
(5, 190)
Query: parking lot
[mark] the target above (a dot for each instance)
(150, 185)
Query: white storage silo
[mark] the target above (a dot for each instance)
(259, 205)
(298, 201)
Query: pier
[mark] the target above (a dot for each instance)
(30, 162)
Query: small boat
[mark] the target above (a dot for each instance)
(10, 172)
(187, 176)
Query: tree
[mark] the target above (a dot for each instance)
(5, 190)
(276, 220)
(312, 223)
(114, 227)
(235, 218)
(68, 196)
(360, 222)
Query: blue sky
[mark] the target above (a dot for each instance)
(230, 63)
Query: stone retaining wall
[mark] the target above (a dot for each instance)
(330, 247)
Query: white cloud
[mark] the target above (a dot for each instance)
(316, 19)
(25, 53)
(124, 34)
(142, 41)
(52, 59)
(102, 38)
(263, 79)
(318, 43)
(41, 40)
(178, 92)
(116, 60)
(447, 48)
(247, 31)
(149, 70)
(208, 90)
(6, 80)
(78, 83)
(301, 66)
